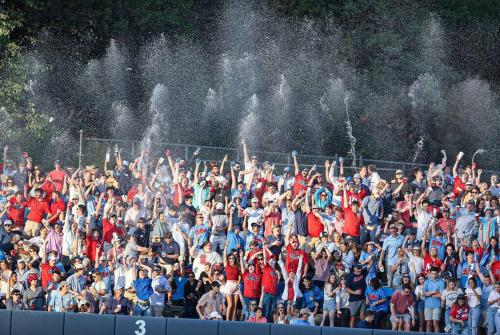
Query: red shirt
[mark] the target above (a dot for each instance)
(185, 192)
(269, 221)
(47, 271)
(58, 179)
(131, 194)
(59, 204)
(48, 188)
(460, 312)
(458, 186)
(252, 285)
(291, 291)
(16, 211)
(299, 184)
(352, 222)
(443, 223)
(108, 229)
(270, 280)
(292, 259)
(358, 196)
(37, 209)
(430, 263)
(91, 248)
(496, 270)
(314, 225)
(232, 272)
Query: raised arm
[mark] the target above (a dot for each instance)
(295, 164)
(454, 170)
(246, 158)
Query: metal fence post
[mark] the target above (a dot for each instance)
(186, 153)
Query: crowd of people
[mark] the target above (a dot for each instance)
(244, 241)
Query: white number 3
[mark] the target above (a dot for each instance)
(142, 327)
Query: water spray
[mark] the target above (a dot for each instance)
(352, 139)
(477, 152)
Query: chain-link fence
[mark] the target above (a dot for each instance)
(94, 152)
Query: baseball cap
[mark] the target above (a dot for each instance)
(358, 266)
(399, 171)
(7, 222)
(357, 176)
(469, 183)
(324, 234)
(78, 267)
(219, 205)
(305, 311)
(255, 200)
(412, 231)
(63, 283)
(215, 315)
(52, 258)
(393, 226)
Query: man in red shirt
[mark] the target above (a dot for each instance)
(431, 260)
(57, 176)
(16, 210)
(109, 227)
(270, 278)
(352, 217)
(315, 225)
(293, 253)
(48, 266)
(38, 208)
(57, 206)
(94, 243)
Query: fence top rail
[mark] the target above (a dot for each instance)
(305, 155)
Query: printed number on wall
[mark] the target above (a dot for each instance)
(142, 327)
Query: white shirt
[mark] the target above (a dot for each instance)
(254, 215)
(472, 300)
(418, 263)
(160, 282)
(423, 221)
(133, 215)
(494, 295)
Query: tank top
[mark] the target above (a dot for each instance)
(232, 272)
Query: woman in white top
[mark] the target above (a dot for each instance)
(329, 300)
(448, 298)
(281, 317)
(473, 293)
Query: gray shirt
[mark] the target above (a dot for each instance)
(219, 224)
(75, 283)
(372, 210)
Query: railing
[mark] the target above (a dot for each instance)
(46, 323)
(94, 150)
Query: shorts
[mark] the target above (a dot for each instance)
(405, 317)
(356, 306)
(230, 288)
(432, 314)
(420, 305)
(329, 305)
